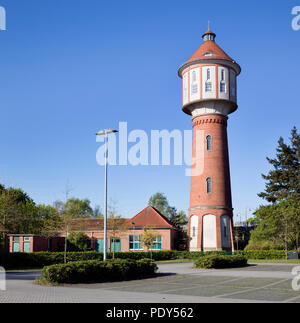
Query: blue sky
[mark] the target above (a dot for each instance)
(70, 68)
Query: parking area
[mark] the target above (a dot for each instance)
(177, 283)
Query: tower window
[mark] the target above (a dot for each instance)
(208, 87)
(223, 75)
(222, 87)
(209, 143)
(208, 74)
(194, 232)
(209, 185)
(194, 89)
(194, 76)
(225, 232)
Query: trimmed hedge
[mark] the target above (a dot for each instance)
(95, 271)
(41, 259)
(220, 262)
(263, 254)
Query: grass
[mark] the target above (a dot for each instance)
(175, 261)
(279, 261)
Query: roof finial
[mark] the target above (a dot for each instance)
(208, 25)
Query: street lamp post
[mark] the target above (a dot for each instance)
(105, 133)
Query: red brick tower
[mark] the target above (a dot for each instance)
(209, 96)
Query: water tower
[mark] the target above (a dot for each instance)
(209, 81)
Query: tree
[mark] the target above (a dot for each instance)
(160, 202)
(77, 208)
(18, 212)
(148, 238)
(284, 180)
(98, 212)
(179, 219)
(278, 225)
(116, 225)
(65, 221)
(79, 241)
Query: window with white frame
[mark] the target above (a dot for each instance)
(208, 74)
(222, 87)
(208, 87)
(157, 243)
(135, 243)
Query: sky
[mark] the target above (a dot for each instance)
(70, 68)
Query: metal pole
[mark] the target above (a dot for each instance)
(105, 200)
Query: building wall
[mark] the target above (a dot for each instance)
(167, 238)
(38, 243)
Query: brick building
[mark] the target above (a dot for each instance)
(123, 234)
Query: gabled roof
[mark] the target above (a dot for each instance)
(152, 218)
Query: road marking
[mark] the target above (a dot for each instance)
(254, 288)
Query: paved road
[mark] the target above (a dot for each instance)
(178, 283)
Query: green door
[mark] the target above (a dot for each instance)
(26, 247)
(115, 245)
(100, 245)
(16, 247)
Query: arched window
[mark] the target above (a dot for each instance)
(223, 75)
(208, 74)
(194, 76)
(209, 185)
(209, 143)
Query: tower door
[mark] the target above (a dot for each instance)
(209, 232)
(194, 232)
(225, 227)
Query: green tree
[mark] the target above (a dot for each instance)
(18, 212)
(160, 202)
(283, 181)
(77, 208)
(65, 220)
(278, 225)
(177, 218)
(148, 238)
(116, 225)
(79, 241)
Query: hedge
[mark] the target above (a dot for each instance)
(263, 254)
(219, 262)
(41, 259)
(95, 271)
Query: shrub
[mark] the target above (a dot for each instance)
(263, 254)
(219, 262)
(41, 259)
(98, 271)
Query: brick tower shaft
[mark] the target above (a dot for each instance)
(210, 185)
